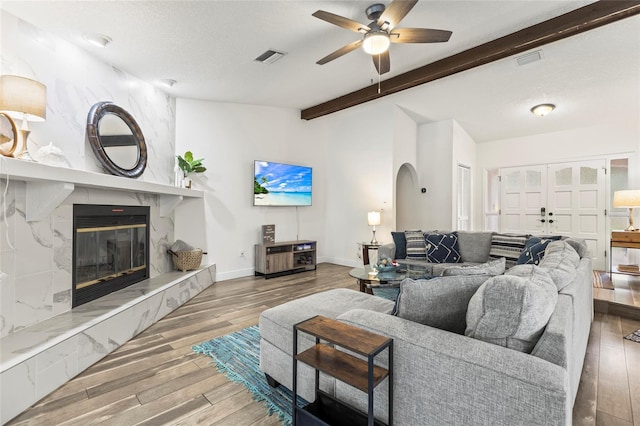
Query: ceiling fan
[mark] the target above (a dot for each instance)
(381, 32)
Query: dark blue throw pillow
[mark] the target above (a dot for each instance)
(401, 244)
(533, 251)
(442, 248)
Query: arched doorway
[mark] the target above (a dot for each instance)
(407, 198)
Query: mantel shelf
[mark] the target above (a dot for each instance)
(48, 186)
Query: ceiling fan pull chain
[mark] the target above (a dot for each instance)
(379, 74)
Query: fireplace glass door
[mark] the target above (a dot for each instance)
(110, 250)
(107, 252)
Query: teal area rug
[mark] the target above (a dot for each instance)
(237, 356)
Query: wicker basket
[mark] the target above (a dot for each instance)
(186, 260)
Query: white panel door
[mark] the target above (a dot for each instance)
(558, 199)
(522, 196)
(576, 204)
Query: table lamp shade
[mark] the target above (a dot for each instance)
(626, 199)
(23, 98)
(373, 218)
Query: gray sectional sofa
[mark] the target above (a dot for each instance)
(468, 348)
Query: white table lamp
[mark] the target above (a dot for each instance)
(629, 199)
(373, 218)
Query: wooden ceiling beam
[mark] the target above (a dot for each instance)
(584, 19)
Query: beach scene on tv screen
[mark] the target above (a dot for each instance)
(277, 184)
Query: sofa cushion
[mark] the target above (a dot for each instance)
(439, 302)
(579, 245)
(491, 268)
(474, 245)
(560, 262)
(401, 244)
(276, 324)
(508, 246)
(416, 248)
(533, 251)
(442, 248)
(512, 310)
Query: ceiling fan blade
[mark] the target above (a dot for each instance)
(419, 35)
(341, 21)
(382, 62)
(394, 13)
(342, 51)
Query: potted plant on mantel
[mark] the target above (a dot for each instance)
(188, 165)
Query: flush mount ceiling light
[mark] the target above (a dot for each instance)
(543, 109)
(376, 42)
(99, 40)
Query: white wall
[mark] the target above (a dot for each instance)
(435, 158)
(442, 146)
(405, 151)
(464, 153)
(359, 161)
(230, 137)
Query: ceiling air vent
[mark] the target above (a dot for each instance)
(529, 57)
(270, 56)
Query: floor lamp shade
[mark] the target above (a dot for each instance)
(23, 98)
(629, 199)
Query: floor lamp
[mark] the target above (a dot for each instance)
(629, 199)
(26, 99)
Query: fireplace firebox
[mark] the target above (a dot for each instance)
(110, 249)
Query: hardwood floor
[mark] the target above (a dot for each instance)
(156, 379)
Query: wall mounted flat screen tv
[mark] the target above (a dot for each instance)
(279, 184)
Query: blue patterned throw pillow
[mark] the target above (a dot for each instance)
(442, 248)
(416, 248)
(401, 244)
(534, 249)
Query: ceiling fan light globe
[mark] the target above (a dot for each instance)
(376, 42)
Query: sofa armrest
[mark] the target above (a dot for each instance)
(444, 378)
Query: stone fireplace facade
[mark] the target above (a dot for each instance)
(36, 257)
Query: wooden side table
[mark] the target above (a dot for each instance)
(624, 239)
(365, 251)
(354, 371)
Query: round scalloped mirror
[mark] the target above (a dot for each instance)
(116, 140)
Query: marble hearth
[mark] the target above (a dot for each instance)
(38, 359)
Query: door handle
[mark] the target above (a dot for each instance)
(542, 220)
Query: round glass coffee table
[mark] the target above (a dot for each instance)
(369, 278)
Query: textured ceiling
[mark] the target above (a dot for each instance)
(209, 48)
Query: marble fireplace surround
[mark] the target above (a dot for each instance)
(37, 359)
